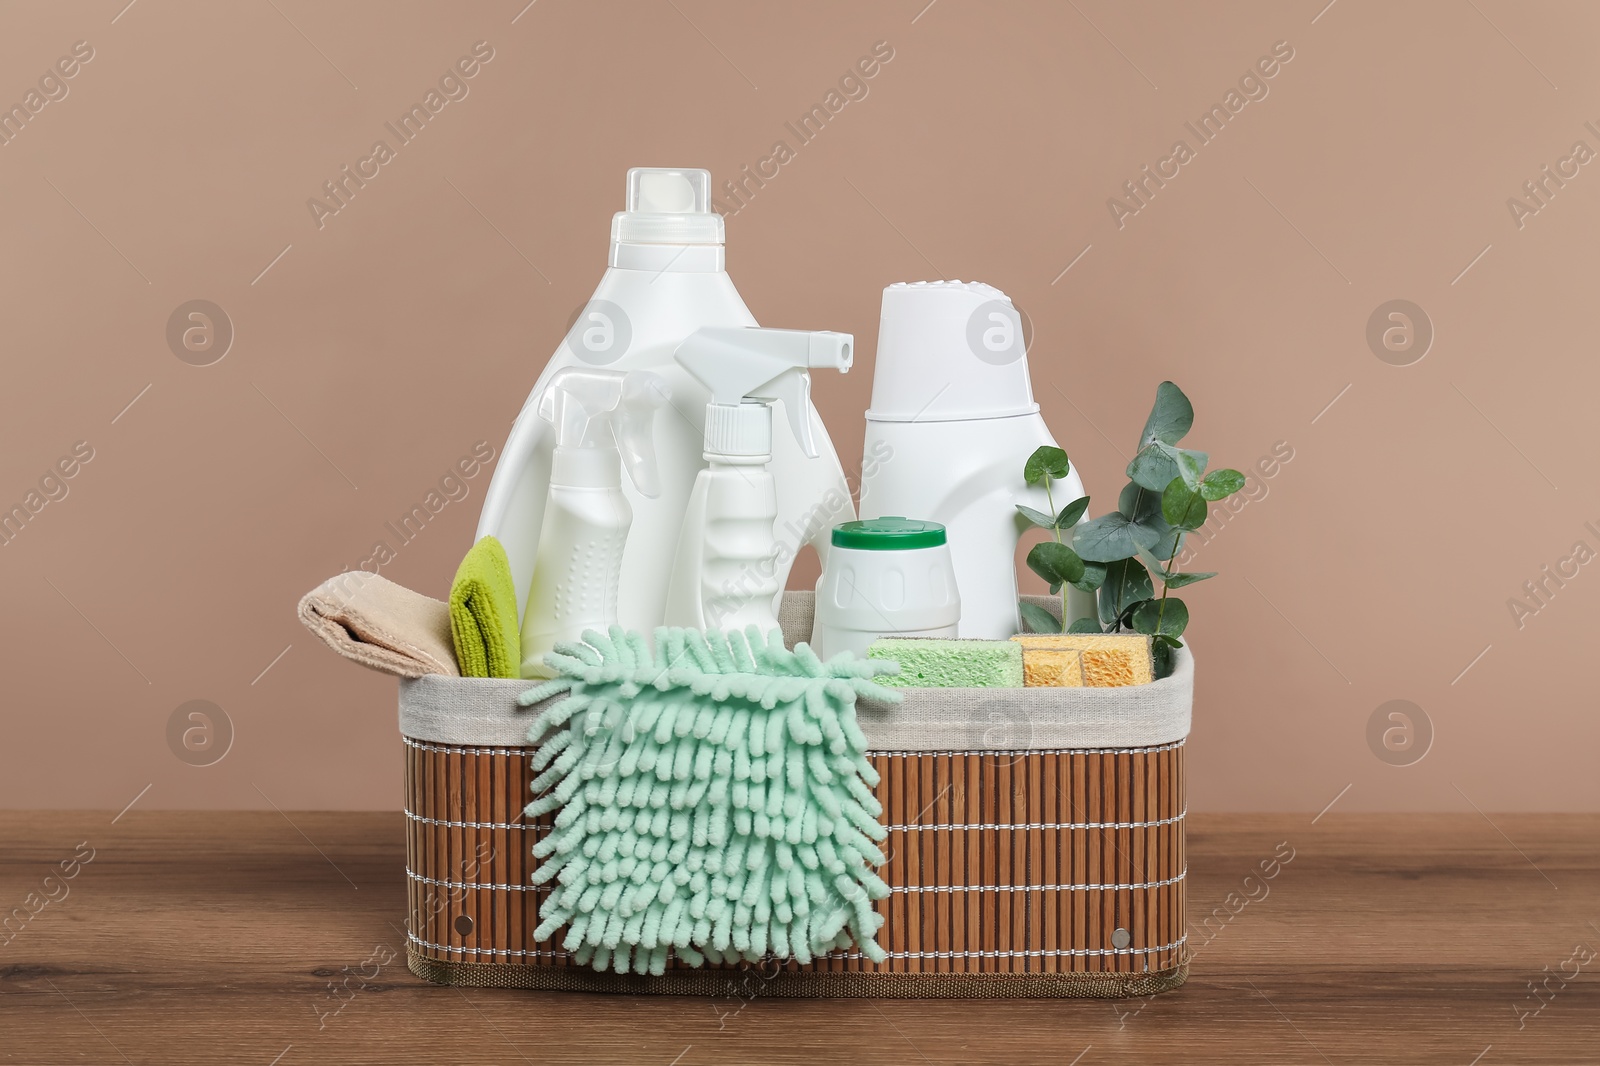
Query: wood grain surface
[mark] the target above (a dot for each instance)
(268, 938)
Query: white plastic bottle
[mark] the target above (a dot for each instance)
(952, 421)
(886, 577)
(666, 279)
(726, 572)
(603, 420)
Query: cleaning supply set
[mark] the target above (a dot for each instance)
(714, 773)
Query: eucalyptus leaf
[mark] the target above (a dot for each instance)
(1127, 582)
(1072, 512)
(1177, 581)
(1056, 563)
(1046, 460)
(1111, 536)
(1125, 620)
(1161, 653)
(1154, 466)
(1158, 463)
(1038, 518)
(1094, 575)
(1037, 619)
(1220, 484)
(1191, 467)
(1167, 641)
(1157, 567)
(1085, 625)
(1182, 507)
(1170, 418)
(1168, 617)
(1153, 532)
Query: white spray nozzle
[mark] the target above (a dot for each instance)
(595, 409)
(747, 367)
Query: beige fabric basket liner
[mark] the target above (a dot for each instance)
(480, 712)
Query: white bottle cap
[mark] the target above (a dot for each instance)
(668, 206)
(949, 350)
(742, 430)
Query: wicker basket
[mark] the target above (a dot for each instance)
(1035, 846)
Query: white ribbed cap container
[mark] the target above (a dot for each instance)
(949, 350)
(739, 430)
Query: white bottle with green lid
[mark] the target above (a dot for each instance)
(885, 577)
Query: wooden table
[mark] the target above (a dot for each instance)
(269, 938)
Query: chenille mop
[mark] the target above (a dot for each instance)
(713, 799)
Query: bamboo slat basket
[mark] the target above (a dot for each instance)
(1035, 846)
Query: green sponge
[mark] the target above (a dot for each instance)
(928, 662)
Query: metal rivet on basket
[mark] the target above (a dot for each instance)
(1119, 939)
(464, 925)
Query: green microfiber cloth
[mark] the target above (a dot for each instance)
(929, 662)
(483, 614)
(714, 800)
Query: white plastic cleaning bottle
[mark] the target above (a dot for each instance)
(603, 422)
(951, 424)
(729, 557)
(665, 281)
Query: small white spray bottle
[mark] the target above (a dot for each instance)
(726, 573)
(604, 421)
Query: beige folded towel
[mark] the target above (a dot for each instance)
(372, 621)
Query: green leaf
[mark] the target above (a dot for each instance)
(1220, 484)
(1191, 467)
(1157, 567)
(1110, 537)
(1094, 575)
(1046, 461)
(1038, 620)
(1167, 617)
(1125, 620)
(1181, 506)
(1127, 582)
(1177, 581)
(1158, 463)
(1170, 418)
(1072, 512)
(1153, 532)
(1153, 467)
(1167, 641)
(1038, 518)
(1056, 563)
(1084, 625)
(1161, 652)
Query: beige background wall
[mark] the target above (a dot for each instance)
(373, 351)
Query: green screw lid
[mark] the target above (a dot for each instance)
(888, 533)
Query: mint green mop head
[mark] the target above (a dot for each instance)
(714, 800)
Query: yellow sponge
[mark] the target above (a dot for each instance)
(1093, 660)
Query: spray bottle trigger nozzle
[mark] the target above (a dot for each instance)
(643, 394)
(596, 409)
(793, 387)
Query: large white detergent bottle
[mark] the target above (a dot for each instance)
(726, 573)
(952, 421)
(665, 280)
(603, 422)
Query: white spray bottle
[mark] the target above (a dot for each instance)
(604, 422)
(728, 563)
(666, 279)
(951, 423)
